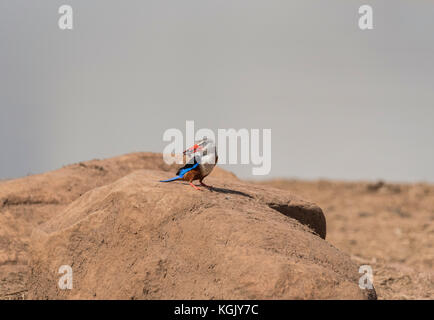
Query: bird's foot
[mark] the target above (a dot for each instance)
(191, 184)
(205, 185)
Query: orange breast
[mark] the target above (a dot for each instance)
(192, 175)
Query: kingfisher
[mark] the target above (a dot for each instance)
(203, 158)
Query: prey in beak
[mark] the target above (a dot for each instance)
(193, 149)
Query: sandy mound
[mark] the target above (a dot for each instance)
(27, 202)
(127, 236)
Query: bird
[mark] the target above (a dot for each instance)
(203, 160)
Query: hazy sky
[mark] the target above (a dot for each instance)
(342, 103)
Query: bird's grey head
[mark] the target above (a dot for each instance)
(206, 146)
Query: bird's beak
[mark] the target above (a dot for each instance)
(193, 149)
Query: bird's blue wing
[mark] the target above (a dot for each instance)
(183, 171)
(180, 174)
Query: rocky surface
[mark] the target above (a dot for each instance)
(128, 236)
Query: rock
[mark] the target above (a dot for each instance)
(137, 238)
(127, 236)
(27, 202)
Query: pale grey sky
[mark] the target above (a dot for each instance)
(342, 103)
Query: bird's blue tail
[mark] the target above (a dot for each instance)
(171, 179)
